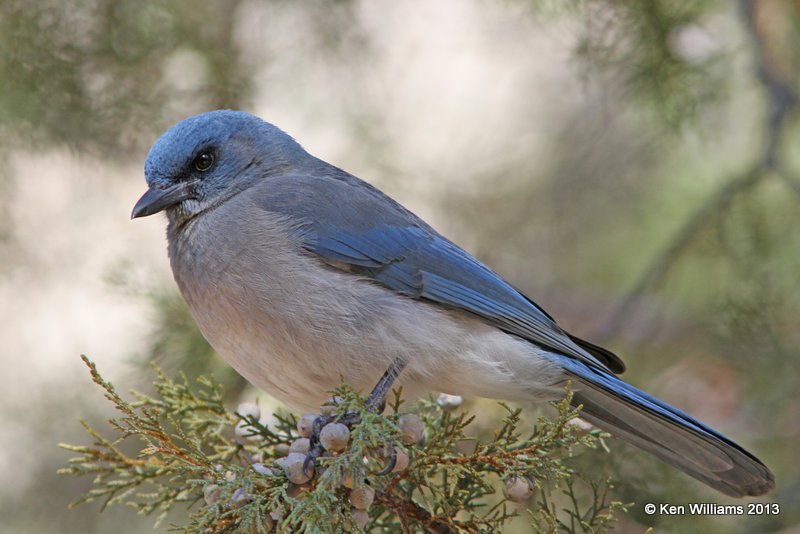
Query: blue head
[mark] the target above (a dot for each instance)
(204, 160)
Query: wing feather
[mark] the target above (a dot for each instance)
(354, 227)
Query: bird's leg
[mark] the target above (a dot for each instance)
(376, 402)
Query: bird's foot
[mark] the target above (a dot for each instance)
(333, 439)
(330, 432)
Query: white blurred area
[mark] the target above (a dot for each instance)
(445, 87)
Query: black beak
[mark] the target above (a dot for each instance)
(155, 200)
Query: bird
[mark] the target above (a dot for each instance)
(301, 275)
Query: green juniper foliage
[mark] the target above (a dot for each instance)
(233, 472)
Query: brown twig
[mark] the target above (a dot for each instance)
(406, 508)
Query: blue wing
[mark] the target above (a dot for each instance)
(354, 227)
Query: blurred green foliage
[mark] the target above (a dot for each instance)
(90, 73)
(640, 44)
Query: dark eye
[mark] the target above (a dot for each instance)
(204, 161)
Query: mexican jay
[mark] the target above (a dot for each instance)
(301, 275)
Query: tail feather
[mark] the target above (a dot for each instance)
(666, 432)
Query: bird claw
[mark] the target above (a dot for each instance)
(376, 402)
(391, 464)
(315, 450)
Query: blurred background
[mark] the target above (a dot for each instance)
(630, 165)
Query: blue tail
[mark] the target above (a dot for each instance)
(666, 432)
